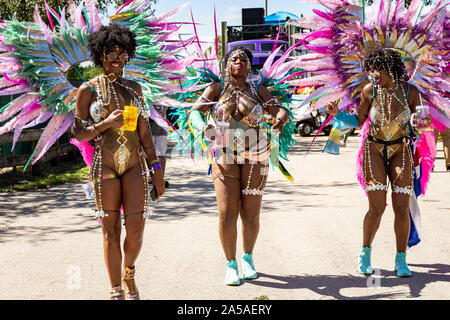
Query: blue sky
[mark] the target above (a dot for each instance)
(226, 10)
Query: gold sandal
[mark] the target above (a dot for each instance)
(131, 292)
(116, 293)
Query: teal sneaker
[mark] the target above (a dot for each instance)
(248, 269)
(232, 274)
(400, 265)
(364, 266)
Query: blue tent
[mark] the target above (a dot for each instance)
(279, 16)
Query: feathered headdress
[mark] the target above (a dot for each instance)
(345, 34)
(36, 59)
(205, 70)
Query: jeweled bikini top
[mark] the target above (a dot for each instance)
(253, 113)
(392, 129)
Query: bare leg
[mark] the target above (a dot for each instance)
(400, 201)
(377, 198)
(133, 193)
(111, 199)
(227, 187)
(251, 204)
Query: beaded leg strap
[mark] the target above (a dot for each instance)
(145, 173)
(405, 190)
(95, 178)
(258, 191)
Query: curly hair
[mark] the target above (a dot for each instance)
(247, 52)
(388, 60)
(109, 36)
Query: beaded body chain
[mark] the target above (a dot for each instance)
(386, 98)
(105, 89)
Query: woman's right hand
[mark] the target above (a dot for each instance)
(210, 132)
(332, 108)
(115, 119)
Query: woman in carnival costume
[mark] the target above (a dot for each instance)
(115, 143)
(227, 123)
(390, 66)
(121, 157)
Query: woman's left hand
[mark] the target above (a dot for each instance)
(158, 182)
(278, 125)
(423, 124)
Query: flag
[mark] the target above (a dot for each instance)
(334, 138)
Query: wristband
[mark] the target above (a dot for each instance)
(96, 130)
(156, 165)
(154, 161)
(282, 121)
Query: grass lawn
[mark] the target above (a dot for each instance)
(66, 170)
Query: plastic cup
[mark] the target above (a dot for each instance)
(130, 117)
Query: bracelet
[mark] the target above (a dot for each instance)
(148, 171)
(95, 129)
(154, 161)
(282, 121)
(156, 165)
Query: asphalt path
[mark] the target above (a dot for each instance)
(310, 237)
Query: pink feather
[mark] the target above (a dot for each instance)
(412, 10)
(95, 21)
(86, 150)
(77, 16)
(45, 30)
(6, 57)
(55, 128)
(327, 16)
(19, 127)
(380, 15)
(49, 15)
(281, 71)
(332, 96)
(276, 39)
(283, 58)
(318, 131)
(216, 40)
(15, 89)
(265, 70)
(16, 105)
(312, 23)
(313, 81)
(124, 5)
(168, 14)
(63, 22)
(427, 151)
(158, 119)
(314, 65)
(359, 159)
(400, 5)
(438, 117)
(24, 117)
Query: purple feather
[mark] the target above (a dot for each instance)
(158, 119)
(19, 127)
(24, 117)
(55, 128)
(45, 30)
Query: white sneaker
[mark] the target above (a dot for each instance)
(248, 269)
(232, 274)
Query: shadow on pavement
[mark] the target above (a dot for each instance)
(331, 285)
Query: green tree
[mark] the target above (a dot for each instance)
(212, 48)
(24, 8)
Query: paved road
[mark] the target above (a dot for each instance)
(311, 231)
